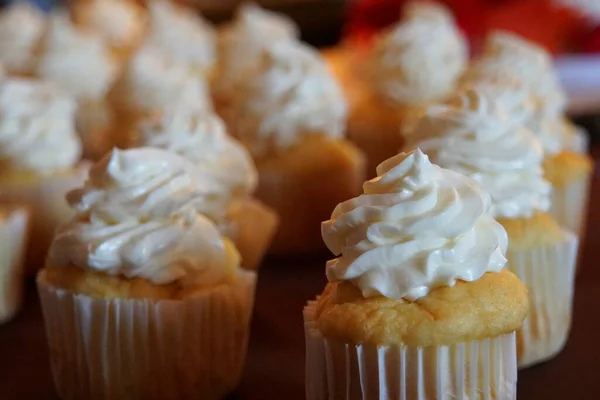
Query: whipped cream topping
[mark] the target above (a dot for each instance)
(37, 127)
(21, 27)
(420, 59)
(181, 34)
(242, 42)
(201, 137)
(119, 22)
(292, 94)
(474, 136)
(76, 60)
(152, 81)
(416, 227)
(136, 216)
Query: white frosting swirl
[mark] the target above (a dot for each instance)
(291, 95)
(21, 27)
(416, 227)
(473, 135)
(152, 81)
(420, 59)
(201, 137)
(181, 34)
(76, 60)
(119, 22)
(136, 216)
(37, 127)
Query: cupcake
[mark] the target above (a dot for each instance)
(418, 305)
(473, 135)
(120, 23)
(13, 240)
(240, 44)
(290, 114)
(39, 156)
(181, 34)
(201, 137)
(21, 27)
(142, 297)
(150, 82)
(79, 62)
(404, 72)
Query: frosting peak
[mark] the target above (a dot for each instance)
(137, 216)
(472, 134)
(420, 59)
(416, 227)
(291, 95)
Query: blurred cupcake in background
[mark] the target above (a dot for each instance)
(121, 23)
(21, 28)
(473, 135)
(40, 156)
(142, 297)
(200, 136)
(79, 61)
(240, 45)
(182, 35)
(14, 233)
(418, 304)
(291, 116)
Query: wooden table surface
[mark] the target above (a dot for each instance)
(275, 365)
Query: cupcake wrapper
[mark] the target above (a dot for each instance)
(580, 142)
(477, 370)
(13, 239)
(549, 274)
(569, 204)
(139, 349)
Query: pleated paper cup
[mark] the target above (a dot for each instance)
(477, 370)
(108, 349)
(13, 239)
(549, 274)
(569, 204)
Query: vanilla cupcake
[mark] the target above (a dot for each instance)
(181, 34)
(21, 28)
(39, 156)
(415, 62)
(120, 23)
(473, 135)
(13, 240)
(240, 45)
(418, 305)
(151, 82)
(201, 137)
(291, 116)
(141, 296)
(79, 62)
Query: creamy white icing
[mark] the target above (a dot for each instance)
(152, 81)
(37, 127)
(201, 137)
(416, 227)
(119, 22)
(242, 42)
(474, 136)
(21, 27)
(181, 34)
(76, 59)
(292, 94)
(420, 59)
(136, 216)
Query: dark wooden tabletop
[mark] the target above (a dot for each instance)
(275, 365)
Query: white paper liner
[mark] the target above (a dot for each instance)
(477, 370)
(549, 274)
(139, 349)
(569, 205)
(13, 239)
(46, 199)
